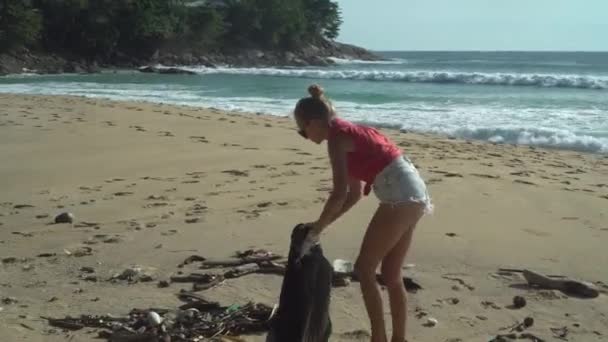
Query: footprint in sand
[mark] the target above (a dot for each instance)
(264, 204)
(165, 134)
(157, 198)
(536, 232)
(483, 175)
(238, 173)
(521, 181)
(200, 139)
(138, 128)
(156, 205)
(123, 193)
(22, 206)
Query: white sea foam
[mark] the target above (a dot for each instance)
(548, 127)
(440, 77)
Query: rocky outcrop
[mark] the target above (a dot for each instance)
(25, 61)
(175, 71)
(318, 54)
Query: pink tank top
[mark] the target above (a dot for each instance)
(372, 150)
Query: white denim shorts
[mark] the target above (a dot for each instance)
(399, 183)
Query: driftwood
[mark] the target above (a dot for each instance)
(409, 283)
(514, 336)
(263, 265)
(240, 258)
(568, 286)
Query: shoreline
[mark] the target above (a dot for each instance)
(151, 185)
(387, 127)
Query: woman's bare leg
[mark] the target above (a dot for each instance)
(393, 276)
(386, 229)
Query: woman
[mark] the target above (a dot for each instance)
(362, 154)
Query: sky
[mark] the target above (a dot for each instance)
(537, 25)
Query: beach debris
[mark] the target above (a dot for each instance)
(241, 258)
(79, 252)
(9, 260)
(458, 280)
(242, 270)
(515, 336)
(343, 266)
(196, 323)
(86, 269)
(567, 286)
(261, 261)
(134, 274)
(489, 304)
(519, 302)
(516, 331)
(65, 217)
(154, 319)
(431, 322)
(9, 300)
(561, 333)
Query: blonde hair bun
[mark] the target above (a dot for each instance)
(315, 91)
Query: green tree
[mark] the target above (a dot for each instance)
(323, 18)
(20, 24)
(204, 26)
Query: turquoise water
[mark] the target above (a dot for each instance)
(550, 99)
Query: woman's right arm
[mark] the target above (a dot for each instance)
(353, 196)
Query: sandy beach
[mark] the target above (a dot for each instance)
(152, 184)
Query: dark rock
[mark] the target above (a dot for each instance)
(148, 69)
(519, 302)
(86, 269)
(176, 71)
(64, 218)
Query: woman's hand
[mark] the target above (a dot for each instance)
(315, 228)
(312, 238)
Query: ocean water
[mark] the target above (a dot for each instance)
(549, 99)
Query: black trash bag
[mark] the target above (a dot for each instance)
(303, 312)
